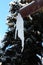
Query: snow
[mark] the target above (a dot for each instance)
(27, 5)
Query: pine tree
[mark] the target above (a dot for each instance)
(33, 31)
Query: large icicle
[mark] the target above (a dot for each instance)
(20, 29)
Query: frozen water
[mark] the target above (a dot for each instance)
(20, 29)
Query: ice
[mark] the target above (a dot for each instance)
(20, 29)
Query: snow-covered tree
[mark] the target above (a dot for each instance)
(33, 38)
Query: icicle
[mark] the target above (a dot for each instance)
(20, 29)
(30, 17)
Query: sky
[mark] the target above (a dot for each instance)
(4, 11)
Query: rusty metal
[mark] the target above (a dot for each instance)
(31, 8)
